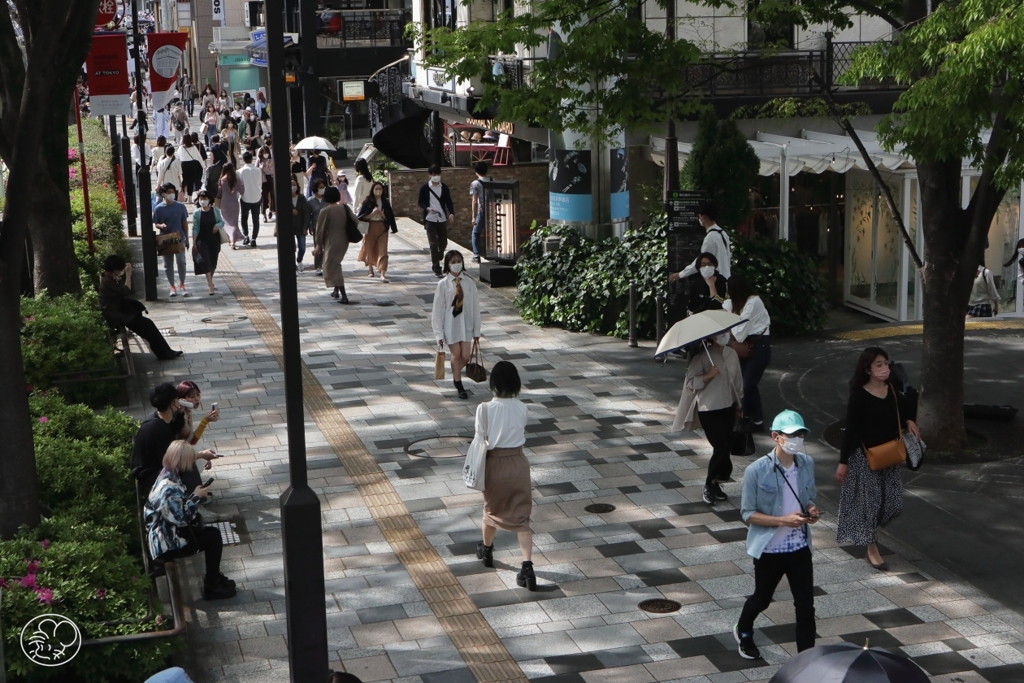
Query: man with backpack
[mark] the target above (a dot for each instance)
(436, 201)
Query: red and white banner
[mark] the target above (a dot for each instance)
(165, 51)
(107, 66)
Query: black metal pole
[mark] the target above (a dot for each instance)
(671, 143)
(437, 139)
(115, 147)
(309, 79)
(632, 315)
(128, 175)
(149, 262)
(301, 532)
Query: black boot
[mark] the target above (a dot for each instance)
(215, 588)
(485, 553)
(526, 578)
(461, 389)
(344, 297)
(334, 294)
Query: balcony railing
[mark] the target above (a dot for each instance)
(745, 73)
(362, 28)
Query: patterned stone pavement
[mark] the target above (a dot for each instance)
(593, 437)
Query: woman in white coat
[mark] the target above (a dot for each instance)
(456, 315)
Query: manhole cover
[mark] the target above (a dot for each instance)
(834, 434)
(659, 606)
(224, 319)
(600, 508)
(439, 447)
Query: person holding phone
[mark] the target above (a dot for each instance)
(189, 400)
(778, 504)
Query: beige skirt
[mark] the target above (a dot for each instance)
(508, 500)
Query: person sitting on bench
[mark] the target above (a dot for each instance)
(120, 310)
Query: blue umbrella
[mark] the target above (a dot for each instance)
(849, 663)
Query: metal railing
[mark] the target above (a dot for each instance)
(362, 28)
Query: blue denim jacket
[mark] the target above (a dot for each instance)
(763, 486)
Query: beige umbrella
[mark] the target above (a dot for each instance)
(696, 327)
(314, 143)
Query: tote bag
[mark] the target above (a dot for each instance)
(476, 458)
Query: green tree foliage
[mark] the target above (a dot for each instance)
(724, 165)
(790, 283)
(796, 107)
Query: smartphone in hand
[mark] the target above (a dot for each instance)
(207, 483)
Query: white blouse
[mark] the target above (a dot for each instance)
(360, 191)
(754, 312)
(461, 328)
(506, 422)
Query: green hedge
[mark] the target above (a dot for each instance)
(66, 334)
(584, 286)
(83, 561)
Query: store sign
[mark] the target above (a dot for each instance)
(353, 91)
(256, 36)
(184, 14)
(218, 10)
(165, 52)
(569, 192)
(107, 13)
(685, 237)
(489, 124)
(233, 60)
(108, 76)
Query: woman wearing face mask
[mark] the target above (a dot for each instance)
(231, 188)
(712, 397)
(707, 286)
(342, 185)
(316, 203)
(331, 241)
(455, 318)
(302, 218)
(210, 118)
(229, 134)
(376, 210)
(223, 102)
(266, 165)
(875, 414)
(189, 400)
(206, 226)
(984, 301)
(747, 303)
(299, 169)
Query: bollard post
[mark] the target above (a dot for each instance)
(660, 317)
(632, 315)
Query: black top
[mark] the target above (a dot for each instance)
(700, 293)
(871, 421)
(207, 222)
(370, 203)
(299, 165)
(151, 442)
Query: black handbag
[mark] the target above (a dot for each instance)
(191, 532)
(352, 227)
(742, 439)
(475, 369)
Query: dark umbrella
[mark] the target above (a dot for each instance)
(849, 663)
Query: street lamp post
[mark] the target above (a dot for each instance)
(301, 532)
(145, 215)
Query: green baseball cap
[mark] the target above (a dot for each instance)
(788, 422)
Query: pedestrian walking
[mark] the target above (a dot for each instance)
(210, 118)
(119, 309)
(191, 167)
(316, 203)
(188, 94)
(209, 98)
(266, 166)
(778, 505)
(299, 169)
(707, 287)
(170, 508)
(214, 170)
(455, 317)
(168, 169)
(160, 123)
(436, 201)
(252, 195)
(364, 181)
(508, 502)
(229, 134)
(984, 301)
(476, 193)
(331, 240)
(159, 152)
(716, 242)
(302, 221)
(201, 148)
(342, 184)
(752, 338)
(207, 223)
(875, 415)
(171, 216)
(376, 211)
(179, 123)
(231, 188)
(317, 170)
(223, 102)
(712, 398)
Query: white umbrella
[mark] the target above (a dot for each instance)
(314, 143)
(696, 327)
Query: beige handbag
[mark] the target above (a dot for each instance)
(439, 363)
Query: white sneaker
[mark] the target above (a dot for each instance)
(174, 292)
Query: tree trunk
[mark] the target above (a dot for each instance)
(56, 267)
(951, 259)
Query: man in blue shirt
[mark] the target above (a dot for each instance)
(778, 504)
(170, 216)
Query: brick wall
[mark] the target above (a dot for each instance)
(533, 196)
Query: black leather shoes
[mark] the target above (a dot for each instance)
(485, 553)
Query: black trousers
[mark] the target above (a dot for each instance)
(208, 541)
(437, 236)
(253, 210)
(146, 328)
(768, 571)
(752, 369)
(718, 426)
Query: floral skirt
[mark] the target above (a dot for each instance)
(868, 500)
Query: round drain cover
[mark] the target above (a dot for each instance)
(834, 434)
(659, 606)
(224, 319)
(600, 508)
(439, 447)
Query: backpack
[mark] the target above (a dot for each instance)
(179, 124)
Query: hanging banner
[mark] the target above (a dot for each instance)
(618, 177)
(218, 11)
(569, 193)
(165, 51)
(108, 76)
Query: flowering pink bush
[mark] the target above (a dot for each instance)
(72, 154)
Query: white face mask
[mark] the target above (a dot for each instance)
(707, 271)
(188, 405)
(722, 339)
(792, 444)
(169, 197)
(455, 268)
(320, 192)
(1021, 252)
(435, 179)
(204, 203)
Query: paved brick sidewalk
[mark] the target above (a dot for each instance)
(594, 436)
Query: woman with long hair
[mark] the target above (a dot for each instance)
(191, 167)
(1018, 256)
(364, 181)
(455, 316)
(209, 98)
(331, 241)
(745, 301)
(229, 134)
(223, 102)
(231, 188)
(266, 165)
(376, 210)
(316, 203)
(207, 223)
(302, 218)
(875, 414)
(210, 119)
